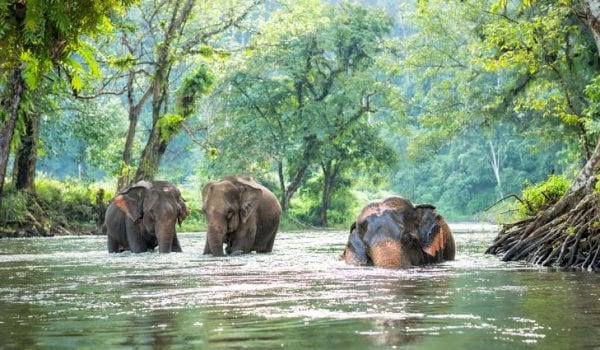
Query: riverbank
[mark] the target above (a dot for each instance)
(73, 208)
(55, 208)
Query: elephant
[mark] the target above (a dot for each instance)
(240, 213)
(144, 216)
(395, 233)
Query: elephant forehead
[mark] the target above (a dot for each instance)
(378, 208)
(391, 224)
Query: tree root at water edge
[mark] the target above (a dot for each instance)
(565, 235)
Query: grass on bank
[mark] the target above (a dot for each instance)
(56, 207)
(70, 206)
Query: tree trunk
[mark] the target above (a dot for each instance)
(330, 172)
(156, 145)
(310, 149)
(152, 155)
(567, 233)
(124, 178)
(26, 155)
(293, 186)
(12, 103)
(135, 109)
(495, 163)
(157, 142)
(284, 203)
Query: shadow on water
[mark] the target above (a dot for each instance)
(67, 292)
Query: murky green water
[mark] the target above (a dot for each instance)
(68, 292)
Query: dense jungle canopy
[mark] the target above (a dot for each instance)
(328, 103)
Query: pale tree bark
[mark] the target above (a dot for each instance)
(495, 163)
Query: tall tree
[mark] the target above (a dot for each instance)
(158, 42)
(37, 36)
(566, 233)
(308, 85)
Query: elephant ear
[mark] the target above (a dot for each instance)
(131, 201)
(432, 234)
(249, 199)
(183, 210)
(206, 190)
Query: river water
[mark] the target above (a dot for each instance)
(68, 292)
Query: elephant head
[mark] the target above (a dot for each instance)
(395, 233)
(227, 206)
(156, 207)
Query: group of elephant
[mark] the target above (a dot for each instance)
(244, 216)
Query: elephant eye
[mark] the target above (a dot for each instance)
(229, 214)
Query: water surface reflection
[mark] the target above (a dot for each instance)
(68, 292)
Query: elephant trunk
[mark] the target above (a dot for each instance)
(165, 234)
(389, 253)
(215, 235)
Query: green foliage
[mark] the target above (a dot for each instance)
(467, 101)
(69, 198)
(539, 196)
(471, 68)
(312, 93)
(86, 132)
(194, 86)
(67, 203)
(459, 178)
(342, 210)
(169, 125)
(195, 222)
(13, 208)
(42, 34)
(547, 42)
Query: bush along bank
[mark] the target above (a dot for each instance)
(55, 208)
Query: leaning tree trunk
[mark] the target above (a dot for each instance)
(135, 109)
(26, 155)
(567, 233)
(152, 155)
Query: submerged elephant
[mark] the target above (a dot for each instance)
(395, 233)
(240, 213)
(143, 216)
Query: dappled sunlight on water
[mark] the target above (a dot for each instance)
(68, 292)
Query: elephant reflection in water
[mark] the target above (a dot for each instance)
(158, 330)
(395, 233)
(421, 297)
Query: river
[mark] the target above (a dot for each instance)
(68, 292)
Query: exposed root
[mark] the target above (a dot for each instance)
(565, 235)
